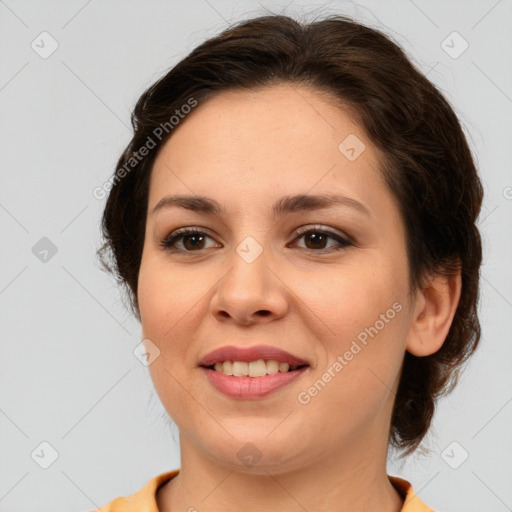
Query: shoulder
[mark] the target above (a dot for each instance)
(143, 500)
(411, 501)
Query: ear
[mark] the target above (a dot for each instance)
(434, 310)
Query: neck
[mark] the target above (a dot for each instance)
(353, 479)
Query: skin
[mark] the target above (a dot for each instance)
(246, 150)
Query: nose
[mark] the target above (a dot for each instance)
(250, 292)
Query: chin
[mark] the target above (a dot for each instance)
(257, 454)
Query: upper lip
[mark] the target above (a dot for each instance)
(248, 354)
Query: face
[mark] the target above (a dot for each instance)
(328, 284)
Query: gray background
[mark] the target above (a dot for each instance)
(68, 373)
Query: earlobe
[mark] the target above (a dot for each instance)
(433, 315)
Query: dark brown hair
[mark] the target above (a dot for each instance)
(426, 162)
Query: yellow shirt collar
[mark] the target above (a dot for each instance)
(145, 499)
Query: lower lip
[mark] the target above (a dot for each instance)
(251, 387)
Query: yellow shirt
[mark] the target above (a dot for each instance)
(145, 499)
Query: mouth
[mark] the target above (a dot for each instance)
(246, 373)
(255, 361)
(254, 369)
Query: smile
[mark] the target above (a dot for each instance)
(251, 372)
(254, 369)
(246, 387)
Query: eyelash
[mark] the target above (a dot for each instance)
(171, 239)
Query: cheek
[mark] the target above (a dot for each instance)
(165, 296)
(351, 298)
(366, 312)
(166, 304)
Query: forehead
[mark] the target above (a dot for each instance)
(263, 143)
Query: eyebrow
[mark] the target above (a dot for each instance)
(284, 205)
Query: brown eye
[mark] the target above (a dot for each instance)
(192, 240)
(195, 241)
(315, 240)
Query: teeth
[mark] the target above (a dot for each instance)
(272, 367)
(219, 367)
(226, 367)
(283, 367)
(240, 369)
(257, 368)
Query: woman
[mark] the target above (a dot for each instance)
(294, 220)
